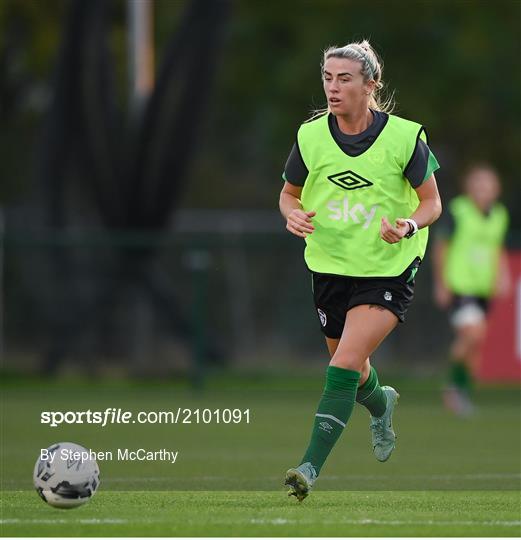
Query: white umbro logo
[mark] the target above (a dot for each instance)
(326, 426)
(388, 296)
(323, 317)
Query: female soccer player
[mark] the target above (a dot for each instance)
(470, 268)
(359, 188)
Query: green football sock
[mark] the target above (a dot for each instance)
(334, 410)
(371, 395)
(460, 376)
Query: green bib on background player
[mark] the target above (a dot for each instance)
(350, 196)
(474, 248)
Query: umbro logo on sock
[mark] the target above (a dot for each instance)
(326, 426)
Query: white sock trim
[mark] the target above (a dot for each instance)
(331, 417)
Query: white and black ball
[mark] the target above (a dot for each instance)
(66, 476)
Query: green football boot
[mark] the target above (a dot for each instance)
(301, 480)
(384, 438)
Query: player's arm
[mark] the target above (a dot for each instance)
(427, 212)
(503, 280)
(298, 222)
(443, 234)
(442, 295)
(429, 209)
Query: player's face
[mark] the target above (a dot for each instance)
(482, 186)
(344, 86)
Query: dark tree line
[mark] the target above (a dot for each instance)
(133, 172)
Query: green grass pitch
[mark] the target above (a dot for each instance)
(447, 477)
(267, 513)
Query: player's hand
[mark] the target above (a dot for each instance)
(393, 234)
(299, 222)
(442, 296)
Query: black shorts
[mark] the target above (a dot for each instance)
(335, 295)
(468, 309)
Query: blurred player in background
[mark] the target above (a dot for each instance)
(471, 268)
(360, 189)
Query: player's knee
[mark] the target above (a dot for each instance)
(351, 359)
(459, 349)
(471, 339)
(478, 334)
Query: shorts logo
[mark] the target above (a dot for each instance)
(349, 180)
(388, 296)
(323, 317)
(325, 426)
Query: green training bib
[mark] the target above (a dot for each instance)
(350, 196)
(474, 248)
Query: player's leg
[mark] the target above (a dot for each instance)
(464, 351)
(393, 296)
(469, 324)
(378, 400)
(332, 346)
(370, 394)
(468, 341)
(365, 328)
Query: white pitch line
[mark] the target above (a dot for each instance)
(481, 476)
(283, 521)
(91, 521)
(273, 521)
(276, 521)
(347, 477)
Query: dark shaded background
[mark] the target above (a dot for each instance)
(218, 282)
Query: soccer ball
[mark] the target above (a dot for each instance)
(65, 475)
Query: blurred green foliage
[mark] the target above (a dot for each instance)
(454, 66)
